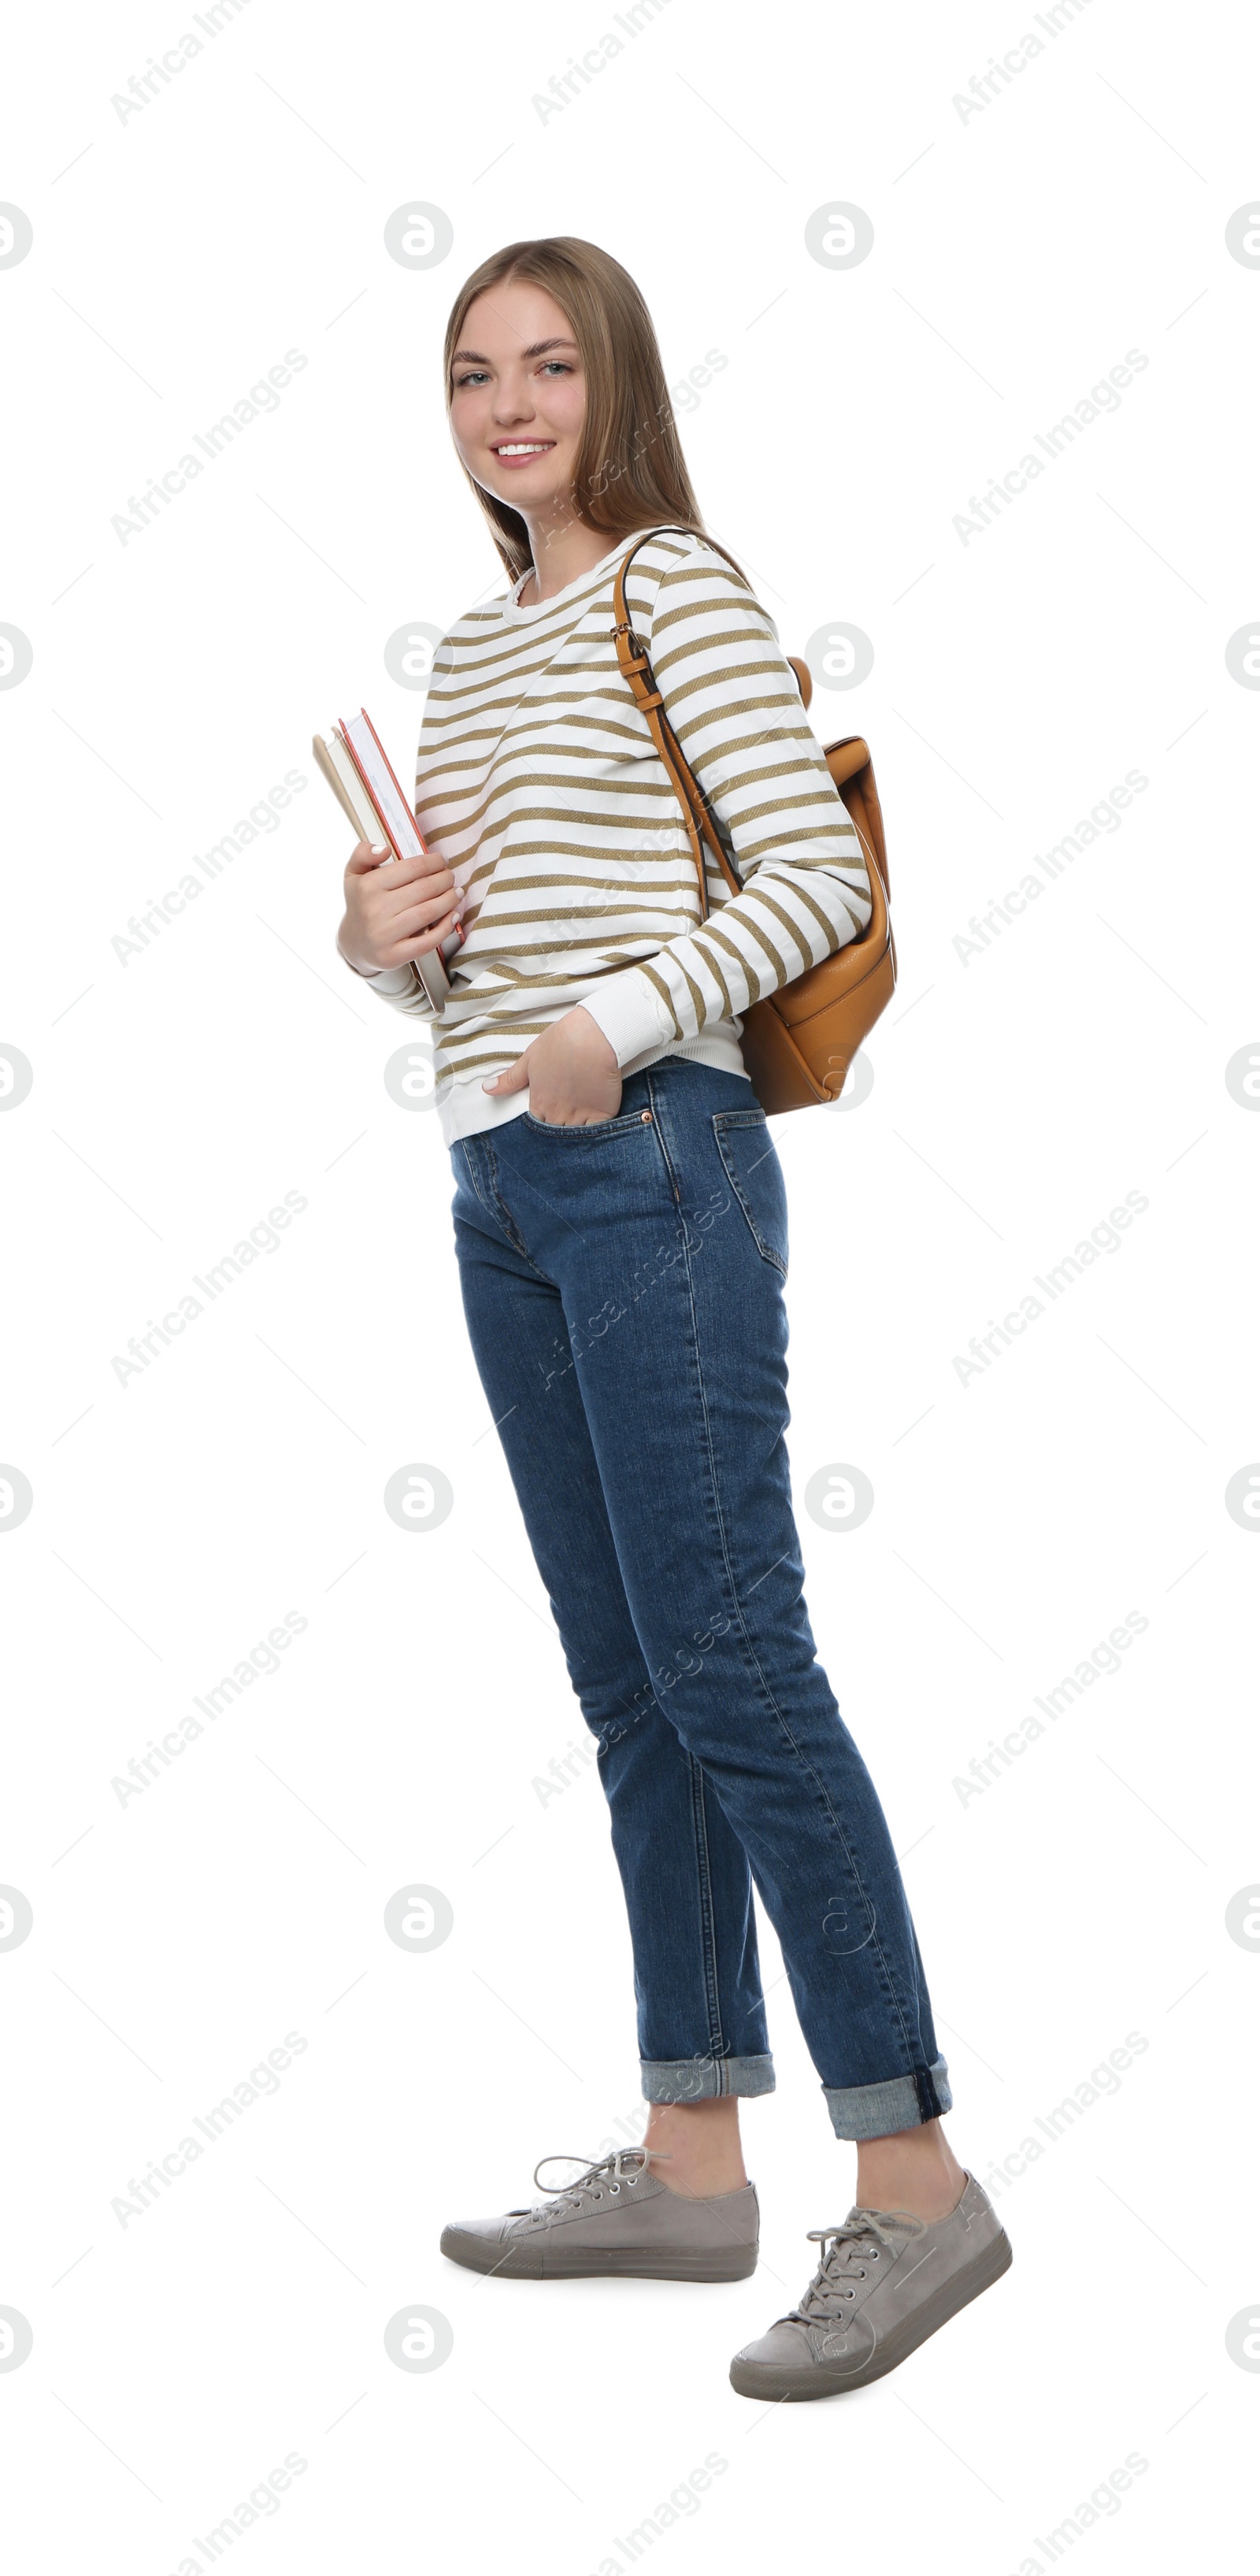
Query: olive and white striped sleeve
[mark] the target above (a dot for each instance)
(400, 985)
(732, 699)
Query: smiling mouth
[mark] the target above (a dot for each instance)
(513, 450)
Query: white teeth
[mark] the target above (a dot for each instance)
(536, 447)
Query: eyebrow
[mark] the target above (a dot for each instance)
(537, 349)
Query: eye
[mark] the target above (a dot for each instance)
(562, 364)
(475, 375)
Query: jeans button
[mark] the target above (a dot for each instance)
(645, 1115)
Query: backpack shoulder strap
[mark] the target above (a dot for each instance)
(849, 761)
(636, 670)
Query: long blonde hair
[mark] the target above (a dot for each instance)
(630, 471)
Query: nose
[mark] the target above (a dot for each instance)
(512, 403)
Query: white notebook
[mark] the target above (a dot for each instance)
(352, 757)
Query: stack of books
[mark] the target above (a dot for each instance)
(352, 757)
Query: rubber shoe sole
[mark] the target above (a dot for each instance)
(817, 2379)
(539, 2259)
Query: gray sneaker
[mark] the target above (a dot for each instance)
(885, 2282)
(615, 2220)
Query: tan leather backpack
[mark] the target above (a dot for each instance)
(799, 1042)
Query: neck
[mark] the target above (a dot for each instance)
(563, 548)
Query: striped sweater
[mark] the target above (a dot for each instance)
(539, 785)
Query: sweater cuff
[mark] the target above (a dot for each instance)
(631, 1013)
(388, 980)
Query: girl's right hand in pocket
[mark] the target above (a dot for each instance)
(395, 911)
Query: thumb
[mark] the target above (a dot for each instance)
(516, 1077)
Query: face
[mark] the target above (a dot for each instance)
(518, 398)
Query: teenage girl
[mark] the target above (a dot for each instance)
(621, 1232)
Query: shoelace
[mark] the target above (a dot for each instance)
(605, 2173)
(839, 2266)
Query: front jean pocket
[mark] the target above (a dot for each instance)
(755, 1173)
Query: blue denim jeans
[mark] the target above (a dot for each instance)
(623, 1288)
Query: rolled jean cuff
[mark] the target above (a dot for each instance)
(705, 2079)
(879, 2110)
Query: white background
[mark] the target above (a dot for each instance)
(1018, 254)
